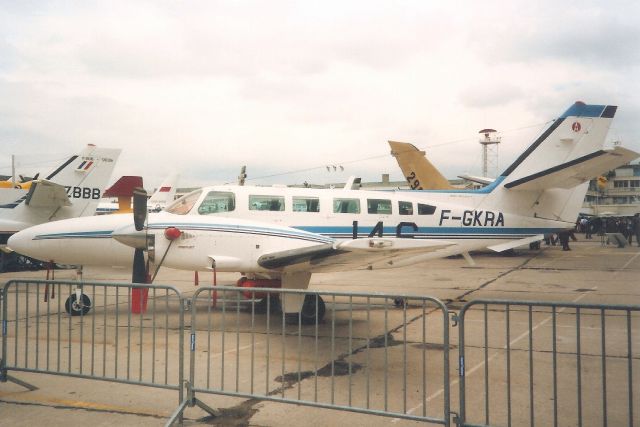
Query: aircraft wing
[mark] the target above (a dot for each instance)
(47, 194)
(349, 254)
(575, 172)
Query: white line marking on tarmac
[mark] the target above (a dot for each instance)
(627, 263)
(468, 372)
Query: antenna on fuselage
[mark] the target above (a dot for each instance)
(242, 175)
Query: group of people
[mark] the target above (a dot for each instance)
(627, 226)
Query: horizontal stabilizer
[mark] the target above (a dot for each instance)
(477, 179)
(46, 194)
(516, 243)
(575, 172)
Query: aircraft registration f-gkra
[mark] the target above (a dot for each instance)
(288, 234)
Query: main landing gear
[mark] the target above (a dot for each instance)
(313, 307)
(312, 311)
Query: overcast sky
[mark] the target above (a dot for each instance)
(204, 87)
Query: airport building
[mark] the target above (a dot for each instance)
(617, 193)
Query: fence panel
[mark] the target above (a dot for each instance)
(46, 330)
(530, 363)
(367, 355)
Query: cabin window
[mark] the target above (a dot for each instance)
(346, 206)
(405, 208)
(184, 204)
(306, 204)
(379, 206)
(266, 203)
(217, 201)
(426, 209)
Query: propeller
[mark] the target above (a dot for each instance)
(141, 241)
(139, 274)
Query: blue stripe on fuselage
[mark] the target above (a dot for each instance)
(391, 231)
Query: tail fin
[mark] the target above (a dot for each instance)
(165, 194)
(418, 171)
(82, 177)
(550, 179)
(578, 133)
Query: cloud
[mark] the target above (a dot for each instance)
(284, 86)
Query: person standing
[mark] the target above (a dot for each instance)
(563, 236)
(636, 228)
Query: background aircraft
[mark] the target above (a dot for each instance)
(71, 190)
(420, 173)
(165, 194)
(123, 190)
(242, 228)
(417, 170)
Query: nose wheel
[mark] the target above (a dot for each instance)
(78, 304)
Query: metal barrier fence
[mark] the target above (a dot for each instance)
(520, 363)
(86, 330)
(535, 363)
(372, 351)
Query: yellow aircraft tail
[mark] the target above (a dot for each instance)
(417, 170)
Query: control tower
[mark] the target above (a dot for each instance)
(490, 141)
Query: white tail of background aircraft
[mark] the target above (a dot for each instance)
(165, 194)
(71, 190)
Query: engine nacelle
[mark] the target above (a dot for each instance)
(245, 282)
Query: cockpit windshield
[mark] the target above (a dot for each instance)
(184, 204)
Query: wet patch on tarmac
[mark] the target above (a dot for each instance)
(433, 346)
(379, 342)
(340, 367)
(235, 416)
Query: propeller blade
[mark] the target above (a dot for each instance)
(139, 267)
(139, 208)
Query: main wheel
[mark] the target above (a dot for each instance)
(260, 307)
(77, 308)
(400, 302)
(307, 314)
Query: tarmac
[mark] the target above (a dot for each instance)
(592, 272)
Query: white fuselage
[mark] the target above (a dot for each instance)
(466, 217)
(235, 225)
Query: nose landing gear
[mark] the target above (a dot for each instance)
(78, 304)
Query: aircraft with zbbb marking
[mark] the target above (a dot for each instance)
(71, 190)
(283, 235)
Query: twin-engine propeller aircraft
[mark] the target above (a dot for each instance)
(287, 234)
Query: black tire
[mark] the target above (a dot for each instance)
(400, 302)
(260, 307)
(75, 309)
(307, 314)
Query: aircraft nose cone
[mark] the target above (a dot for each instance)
(22, 242)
